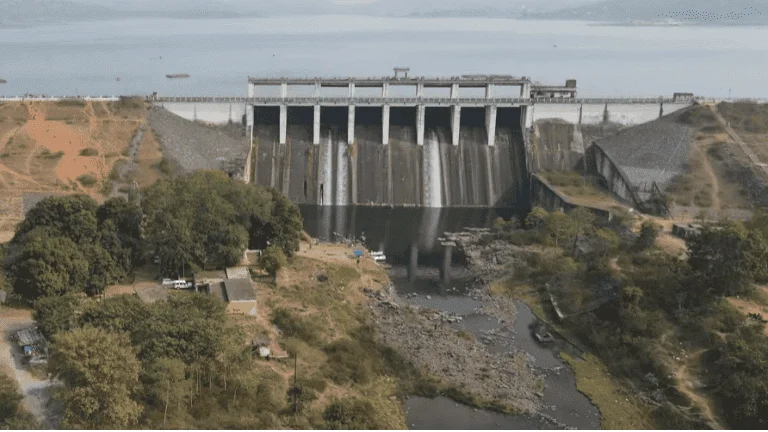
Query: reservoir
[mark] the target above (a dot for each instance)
(84, 58)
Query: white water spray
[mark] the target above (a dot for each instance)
(326, 171)
(341, 172)
(433, 196)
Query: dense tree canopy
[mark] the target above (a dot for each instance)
(205, 219)
(727, 257)
(101, 373)
(71, 244)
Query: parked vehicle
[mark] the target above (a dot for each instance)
(378, 256)
(181, 284)
(167, 282)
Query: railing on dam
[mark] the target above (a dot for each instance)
(46, 98)
(405, 100)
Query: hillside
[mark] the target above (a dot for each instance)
(733, 12)
(71, 147)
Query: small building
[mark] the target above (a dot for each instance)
(686, 230)
(33, 344)
(239, 295)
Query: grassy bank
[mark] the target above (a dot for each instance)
(619, 408)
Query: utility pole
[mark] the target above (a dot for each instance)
(295, 391)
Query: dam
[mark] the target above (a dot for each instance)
(461, 141)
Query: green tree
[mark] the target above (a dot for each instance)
(165, 384)
(123, 313)
(606, 242)
(100, 372)
(740, 376)
(56, 314)
(10, 398)
(726, 257)
(207, 219)
(649, 230)
(45, 264)
(72, 216)
(581, 222)
(191, 328)
(273, 260)
(559, 228)
(536, 218)
(103, 270)
(119, 224)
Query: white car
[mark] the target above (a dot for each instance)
(181, 284)
(167, 282)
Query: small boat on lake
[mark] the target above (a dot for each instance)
(2, 81)
(177, 76)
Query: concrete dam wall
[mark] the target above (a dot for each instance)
(402, 173)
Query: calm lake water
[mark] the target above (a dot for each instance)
(86, 58)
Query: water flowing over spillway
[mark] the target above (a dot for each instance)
(437, 174)
(326, 173)
(433, 196)
(342, 173)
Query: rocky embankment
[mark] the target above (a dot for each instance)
(195, 146)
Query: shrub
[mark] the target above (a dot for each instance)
(87, 180)
(164, 166)
(350, 413)
(296, 326)
(349, 361)
(49, 155)
(648, 233)
(70, 103)
(90, 151)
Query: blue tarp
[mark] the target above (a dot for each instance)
(358, 253)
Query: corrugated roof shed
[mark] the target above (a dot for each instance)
(217, 289)
(30, 336)
(239, 290)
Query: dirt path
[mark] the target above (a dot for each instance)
(737, 139)
(685, 385)
(37, 395)
(716, 204)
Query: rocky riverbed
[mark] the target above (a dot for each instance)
(483, 344)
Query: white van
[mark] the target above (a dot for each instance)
(181, 284)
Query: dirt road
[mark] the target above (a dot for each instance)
(685, 385)
(37, 392)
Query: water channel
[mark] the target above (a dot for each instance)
(409, 238)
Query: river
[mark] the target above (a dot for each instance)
(87, 58)
(401, 232)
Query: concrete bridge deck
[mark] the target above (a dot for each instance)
(405, 101)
